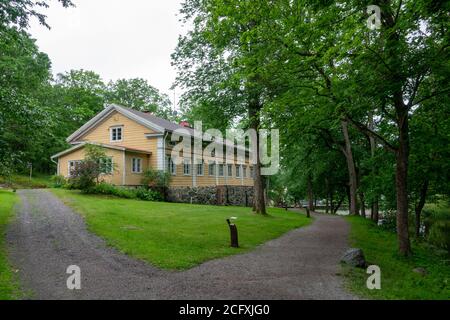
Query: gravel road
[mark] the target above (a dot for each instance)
(47, 237)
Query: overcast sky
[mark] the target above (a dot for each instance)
(114, 38)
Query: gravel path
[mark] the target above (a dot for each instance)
(48, 237)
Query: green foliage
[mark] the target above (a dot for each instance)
(140, 95)
(19, 12)
(126, 193)
(148, 195)
(59, 181)
(437, 224)
(17, 181)
(109, 189)
(87, 172)
(177, 236)
(9, 287)
(156, 178)
(398, 280)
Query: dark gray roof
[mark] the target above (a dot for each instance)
(169, 126)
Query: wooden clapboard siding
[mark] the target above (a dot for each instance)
(133, 135)
(117, 157)
(131, 178)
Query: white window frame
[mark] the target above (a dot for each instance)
(238, 171)
(69, 174)
(136, 163)
(111, 130)
(214, 166)
(171, 167)
(230, 170)
(187, 164)
(201, 172)
(221, 166)
(244, 172)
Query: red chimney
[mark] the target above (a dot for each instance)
(185, 124)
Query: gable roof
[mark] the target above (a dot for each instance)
(106, 112)
(159, 125)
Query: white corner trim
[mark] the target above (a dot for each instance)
(124, 169)
(160, 153)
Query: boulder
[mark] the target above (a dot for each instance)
(354, 257)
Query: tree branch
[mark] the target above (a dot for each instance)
(372, 133)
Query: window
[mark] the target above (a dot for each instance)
(116, 134)
(238, 171)
(106, 165)
(200, 169)
(170, 166)
(73, 165)
(212, 169)
(252, 172)
(244, 171)
(187, 168)
(136, 165)
(230, 170)
(221, 170)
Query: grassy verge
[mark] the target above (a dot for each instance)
(8, 285)
(398, 281)
(176, 236)
(38, 181)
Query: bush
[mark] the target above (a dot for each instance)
(437, 227)
(156, 179)
(58, 181)
(389, 221)
(148, 195)
(109, 189)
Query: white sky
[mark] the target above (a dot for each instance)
(114, 38)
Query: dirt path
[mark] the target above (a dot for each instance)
(48, 237)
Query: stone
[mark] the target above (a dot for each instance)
(420, 271)
(354, 257)
(230, 195)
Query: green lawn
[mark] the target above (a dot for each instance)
(38, 181)
(8, 284)
(398, 281)
(176, 236)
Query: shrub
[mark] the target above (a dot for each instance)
(109, 189)
(86, 174)
(58, 181)
(156, 178)
(437, 226)
(389, 221)
(148, 195)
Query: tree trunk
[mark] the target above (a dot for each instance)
(259, 201)
(420, 205)
(376, 210)
(401, 178)
(374, 215)
(353, 184)
(362, 204)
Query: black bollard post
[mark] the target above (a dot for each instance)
(234, 234)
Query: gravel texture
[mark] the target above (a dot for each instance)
(47, 237)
